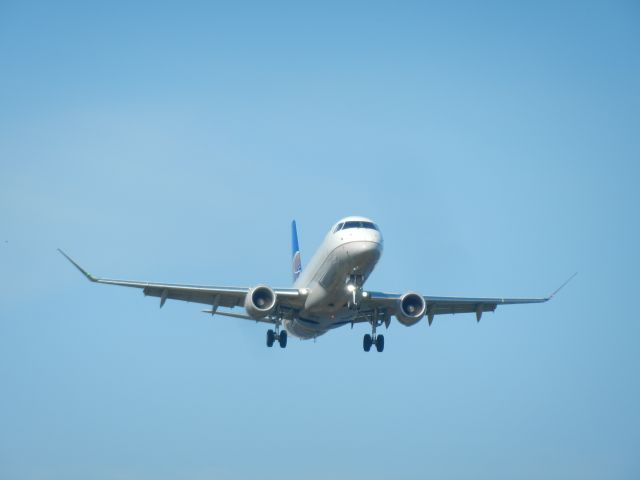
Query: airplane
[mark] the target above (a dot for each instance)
(327, 294)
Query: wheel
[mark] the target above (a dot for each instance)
(283, 339)
(367, 342)
(380, 343)
(271, 337)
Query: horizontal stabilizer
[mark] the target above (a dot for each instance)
(237, 315)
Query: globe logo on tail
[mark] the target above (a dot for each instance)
(297, 265)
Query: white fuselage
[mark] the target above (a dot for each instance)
(343, 253)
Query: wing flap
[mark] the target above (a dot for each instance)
(211, 296)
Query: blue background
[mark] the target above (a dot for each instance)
(497, 147)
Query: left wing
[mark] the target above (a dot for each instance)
(213, 296)
(452, 305)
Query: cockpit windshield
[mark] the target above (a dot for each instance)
(359, 224)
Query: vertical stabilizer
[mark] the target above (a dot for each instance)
(296, 263)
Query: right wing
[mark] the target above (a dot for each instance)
(289, 298)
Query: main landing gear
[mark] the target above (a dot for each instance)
(279, 335)
(373, 339)
(368, 341)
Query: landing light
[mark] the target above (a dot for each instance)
(365, 294)
(351, 288)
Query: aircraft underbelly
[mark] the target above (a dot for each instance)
(314, 326)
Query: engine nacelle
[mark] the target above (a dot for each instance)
(260, 301)
(411, 308)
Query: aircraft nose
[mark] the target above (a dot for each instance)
(365, 251)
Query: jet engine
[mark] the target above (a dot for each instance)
(260, 301)
(411, 308)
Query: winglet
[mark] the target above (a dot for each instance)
(84, 272)
(561, 286)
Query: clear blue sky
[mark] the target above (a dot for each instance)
(497, 146)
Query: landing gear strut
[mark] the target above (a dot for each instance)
(354, 285)
(278, 335)
(374, 338)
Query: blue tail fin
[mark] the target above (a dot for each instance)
(295, 252)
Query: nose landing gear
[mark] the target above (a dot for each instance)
(354, 286)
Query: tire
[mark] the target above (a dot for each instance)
(380, 343)
(367, 342)
(271, 337)
(283, 339)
